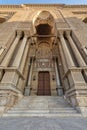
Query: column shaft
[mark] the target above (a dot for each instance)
(22, 67)
(10, 53)
(1, 51)
(63, 59)
(67, 54)
(13, 76)
(78, 56)
(65, 67)
(27, 89)
(73, 74)
(75, 50)
(59, 88)
(20, 52)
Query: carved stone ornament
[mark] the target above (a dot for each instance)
(3, 101)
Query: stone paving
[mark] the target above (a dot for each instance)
(43, 123)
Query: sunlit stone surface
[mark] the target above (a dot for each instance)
(43, 52)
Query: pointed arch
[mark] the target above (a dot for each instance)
(44, 23)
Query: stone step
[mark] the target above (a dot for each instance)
(22, 108)
(42, 115)
(59, 110)
(47, 111)
(42, 106)
(41, 112)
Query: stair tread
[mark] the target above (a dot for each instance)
(42, 106)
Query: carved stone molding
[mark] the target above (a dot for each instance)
(8, 98)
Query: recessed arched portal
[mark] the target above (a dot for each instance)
(44, 23)
(43, 75)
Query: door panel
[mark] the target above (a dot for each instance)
(43, 84)
(40, 84)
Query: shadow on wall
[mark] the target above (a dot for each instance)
(85, 20)
(2, 20)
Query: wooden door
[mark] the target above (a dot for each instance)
(43, 84)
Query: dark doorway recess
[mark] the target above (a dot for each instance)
(43, 29)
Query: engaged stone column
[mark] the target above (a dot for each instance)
(27, 89)
(76, 81)
(66, 57)
(78, 56)
(20, 52)
(10, 53)
(75, 50)
(65, 67)
(76, 76)
(1, 50)
(63, 58)
(59, 87)
(21, 83)
(67, 54)
(13, 76)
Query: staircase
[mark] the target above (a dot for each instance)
(49, 106)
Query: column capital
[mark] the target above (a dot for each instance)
(67, 33)
(19, 33)
(26, 34)
(60, 33)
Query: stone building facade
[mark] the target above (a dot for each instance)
(43, 51)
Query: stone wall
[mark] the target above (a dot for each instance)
(18, 34)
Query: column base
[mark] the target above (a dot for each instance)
(27, 91)
(82, 110)
(79, 103)
(59, 91)
(8, 98)
(76, 94)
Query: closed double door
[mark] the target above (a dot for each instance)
(43, 84)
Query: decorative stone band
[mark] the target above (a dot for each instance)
(73, 69)
(79, 91)
(12, 69)
(9, 96)
(78, 85)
